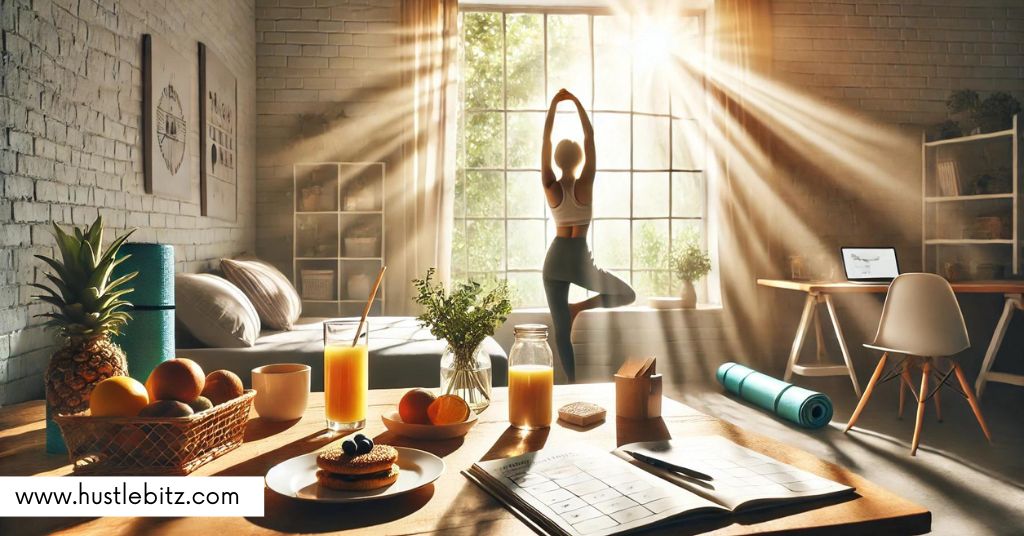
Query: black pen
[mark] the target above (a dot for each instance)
(669, 466)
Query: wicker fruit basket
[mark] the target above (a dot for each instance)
(154, 446)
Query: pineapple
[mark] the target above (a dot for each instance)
(89, 310)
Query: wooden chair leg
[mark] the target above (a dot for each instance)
(971, 399)
(867, 392)
(925, 370)
(938, 404)
(903, 397)
(905, 384)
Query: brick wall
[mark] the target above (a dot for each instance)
(885, 69)
(70, 145)
(326, 79)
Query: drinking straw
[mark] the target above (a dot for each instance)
(369, 303)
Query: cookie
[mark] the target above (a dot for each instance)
(357, 482)
(334, 460)
(581, 413)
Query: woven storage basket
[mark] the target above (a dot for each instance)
(317, 284)
(154, 446)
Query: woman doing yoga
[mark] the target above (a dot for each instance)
(569, 260)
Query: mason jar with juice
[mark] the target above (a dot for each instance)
(531, 378)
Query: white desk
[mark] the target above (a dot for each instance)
(821, 292)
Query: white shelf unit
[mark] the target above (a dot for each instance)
(971, 207)
(338, 238)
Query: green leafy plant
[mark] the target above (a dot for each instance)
(692, 263)
(463, 317)
(996, 111)
(963, 100)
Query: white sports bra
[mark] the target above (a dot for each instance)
(570, 211)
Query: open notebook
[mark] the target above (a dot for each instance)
(585, 491)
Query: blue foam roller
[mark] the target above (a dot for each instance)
(807, 408)
(148, 338)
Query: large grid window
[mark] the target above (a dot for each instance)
(650, 190)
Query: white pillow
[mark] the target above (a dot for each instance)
(270, 292)
(215, 311)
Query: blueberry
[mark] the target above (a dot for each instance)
(358, 437)
(364, 445)
(350, 447)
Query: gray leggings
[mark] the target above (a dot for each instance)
(569, 261)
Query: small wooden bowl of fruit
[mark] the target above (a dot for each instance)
(421, 415)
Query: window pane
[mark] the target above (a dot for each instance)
(685, 232)
(650, 142)
(484, 140)
(526, 245)
(525, 60)
(611, 137)
(611, 194)
(483, 194)
(460, 193)
(687, 145)
(611, 64)
(483, 69)
(528, 288)
(569, 55)
(485, 245)
(525, 195)
(650, 195)
(650, 244)
(650, 283)
(459, 247)
(687, 195)
(525, 134)
(611, 243)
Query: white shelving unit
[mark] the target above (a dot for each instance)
(971, 206)
(338, 238)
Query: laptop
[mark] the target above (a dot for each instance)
(870, 265)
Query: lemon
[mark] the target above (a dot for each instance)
(118, 396)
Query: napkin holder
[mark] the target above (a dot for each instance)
(638, 390)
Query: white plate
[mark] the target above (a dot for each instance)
(296, 478)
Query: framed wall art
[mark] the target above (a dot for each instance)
(218, 110)
(166, 117)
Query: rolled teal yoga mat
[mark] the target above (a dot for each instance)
(148, 338)
(807, 408)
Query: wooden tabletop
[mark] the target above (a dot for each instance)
(846, 287)
(453, 504)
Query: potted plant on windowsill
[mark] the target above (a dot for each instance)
(691, 263)
(463, 318)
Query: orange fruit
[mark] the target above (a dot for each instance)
(178, 379)
(448, 409)
(118, 396)
(221, 386)
(413, 406)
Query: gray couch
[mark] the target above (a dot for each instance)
(402, 354)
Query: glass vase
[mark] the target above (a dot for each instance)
(468, 375)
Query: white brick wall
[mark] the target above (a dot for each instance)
(326, 74)
(70, 145)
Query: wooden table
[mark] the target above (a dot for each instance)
(453, 503)
(821, 292)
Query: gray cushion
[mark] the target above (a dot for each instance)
(402, 354)
(214, 311)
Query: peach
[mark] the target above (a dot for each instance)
(178, 379)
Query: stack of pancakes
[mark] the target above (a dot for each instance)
(340, 471)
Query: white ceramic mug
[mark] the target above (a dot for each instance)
(282, 390)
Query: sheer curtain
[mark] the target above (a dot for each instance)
(742, 44)
(429, 33)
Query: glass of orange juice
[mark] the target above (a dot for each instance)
(531, 378)
(346, 374)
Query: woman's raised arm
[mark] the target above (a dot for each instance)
(547, 176)
(589, 148)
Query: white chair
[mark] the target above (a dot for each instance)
(921, 319)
